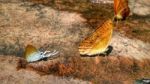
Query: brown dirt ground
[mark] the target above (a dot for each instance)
(116, 70)
(110, 68)
(133, 27)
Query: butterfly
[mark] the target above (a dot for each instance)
(31, 54)
(98, 41)
(121, 9)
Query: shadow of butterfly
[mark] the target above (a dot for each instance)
(32, 54)
(121, 9)
(98, 41)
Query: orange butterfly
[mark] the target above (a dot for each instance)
(121, 9)
(98, 42)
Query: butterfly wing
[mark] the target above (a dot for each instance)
(32, 54)
(116, 7)
(98, 41)
(121, 9)
(87, 44)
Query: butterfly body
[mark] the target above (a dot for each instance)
(121, 9)
(98, 42)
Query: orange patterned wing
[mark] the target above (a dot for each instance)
(121, 9)
(98, 42)
(29, 50)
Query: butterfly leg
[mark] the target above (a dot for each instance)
(46, 52)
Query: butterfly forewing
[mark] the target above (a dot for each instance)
(121, 9)
(98, 41)
(31, 54)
